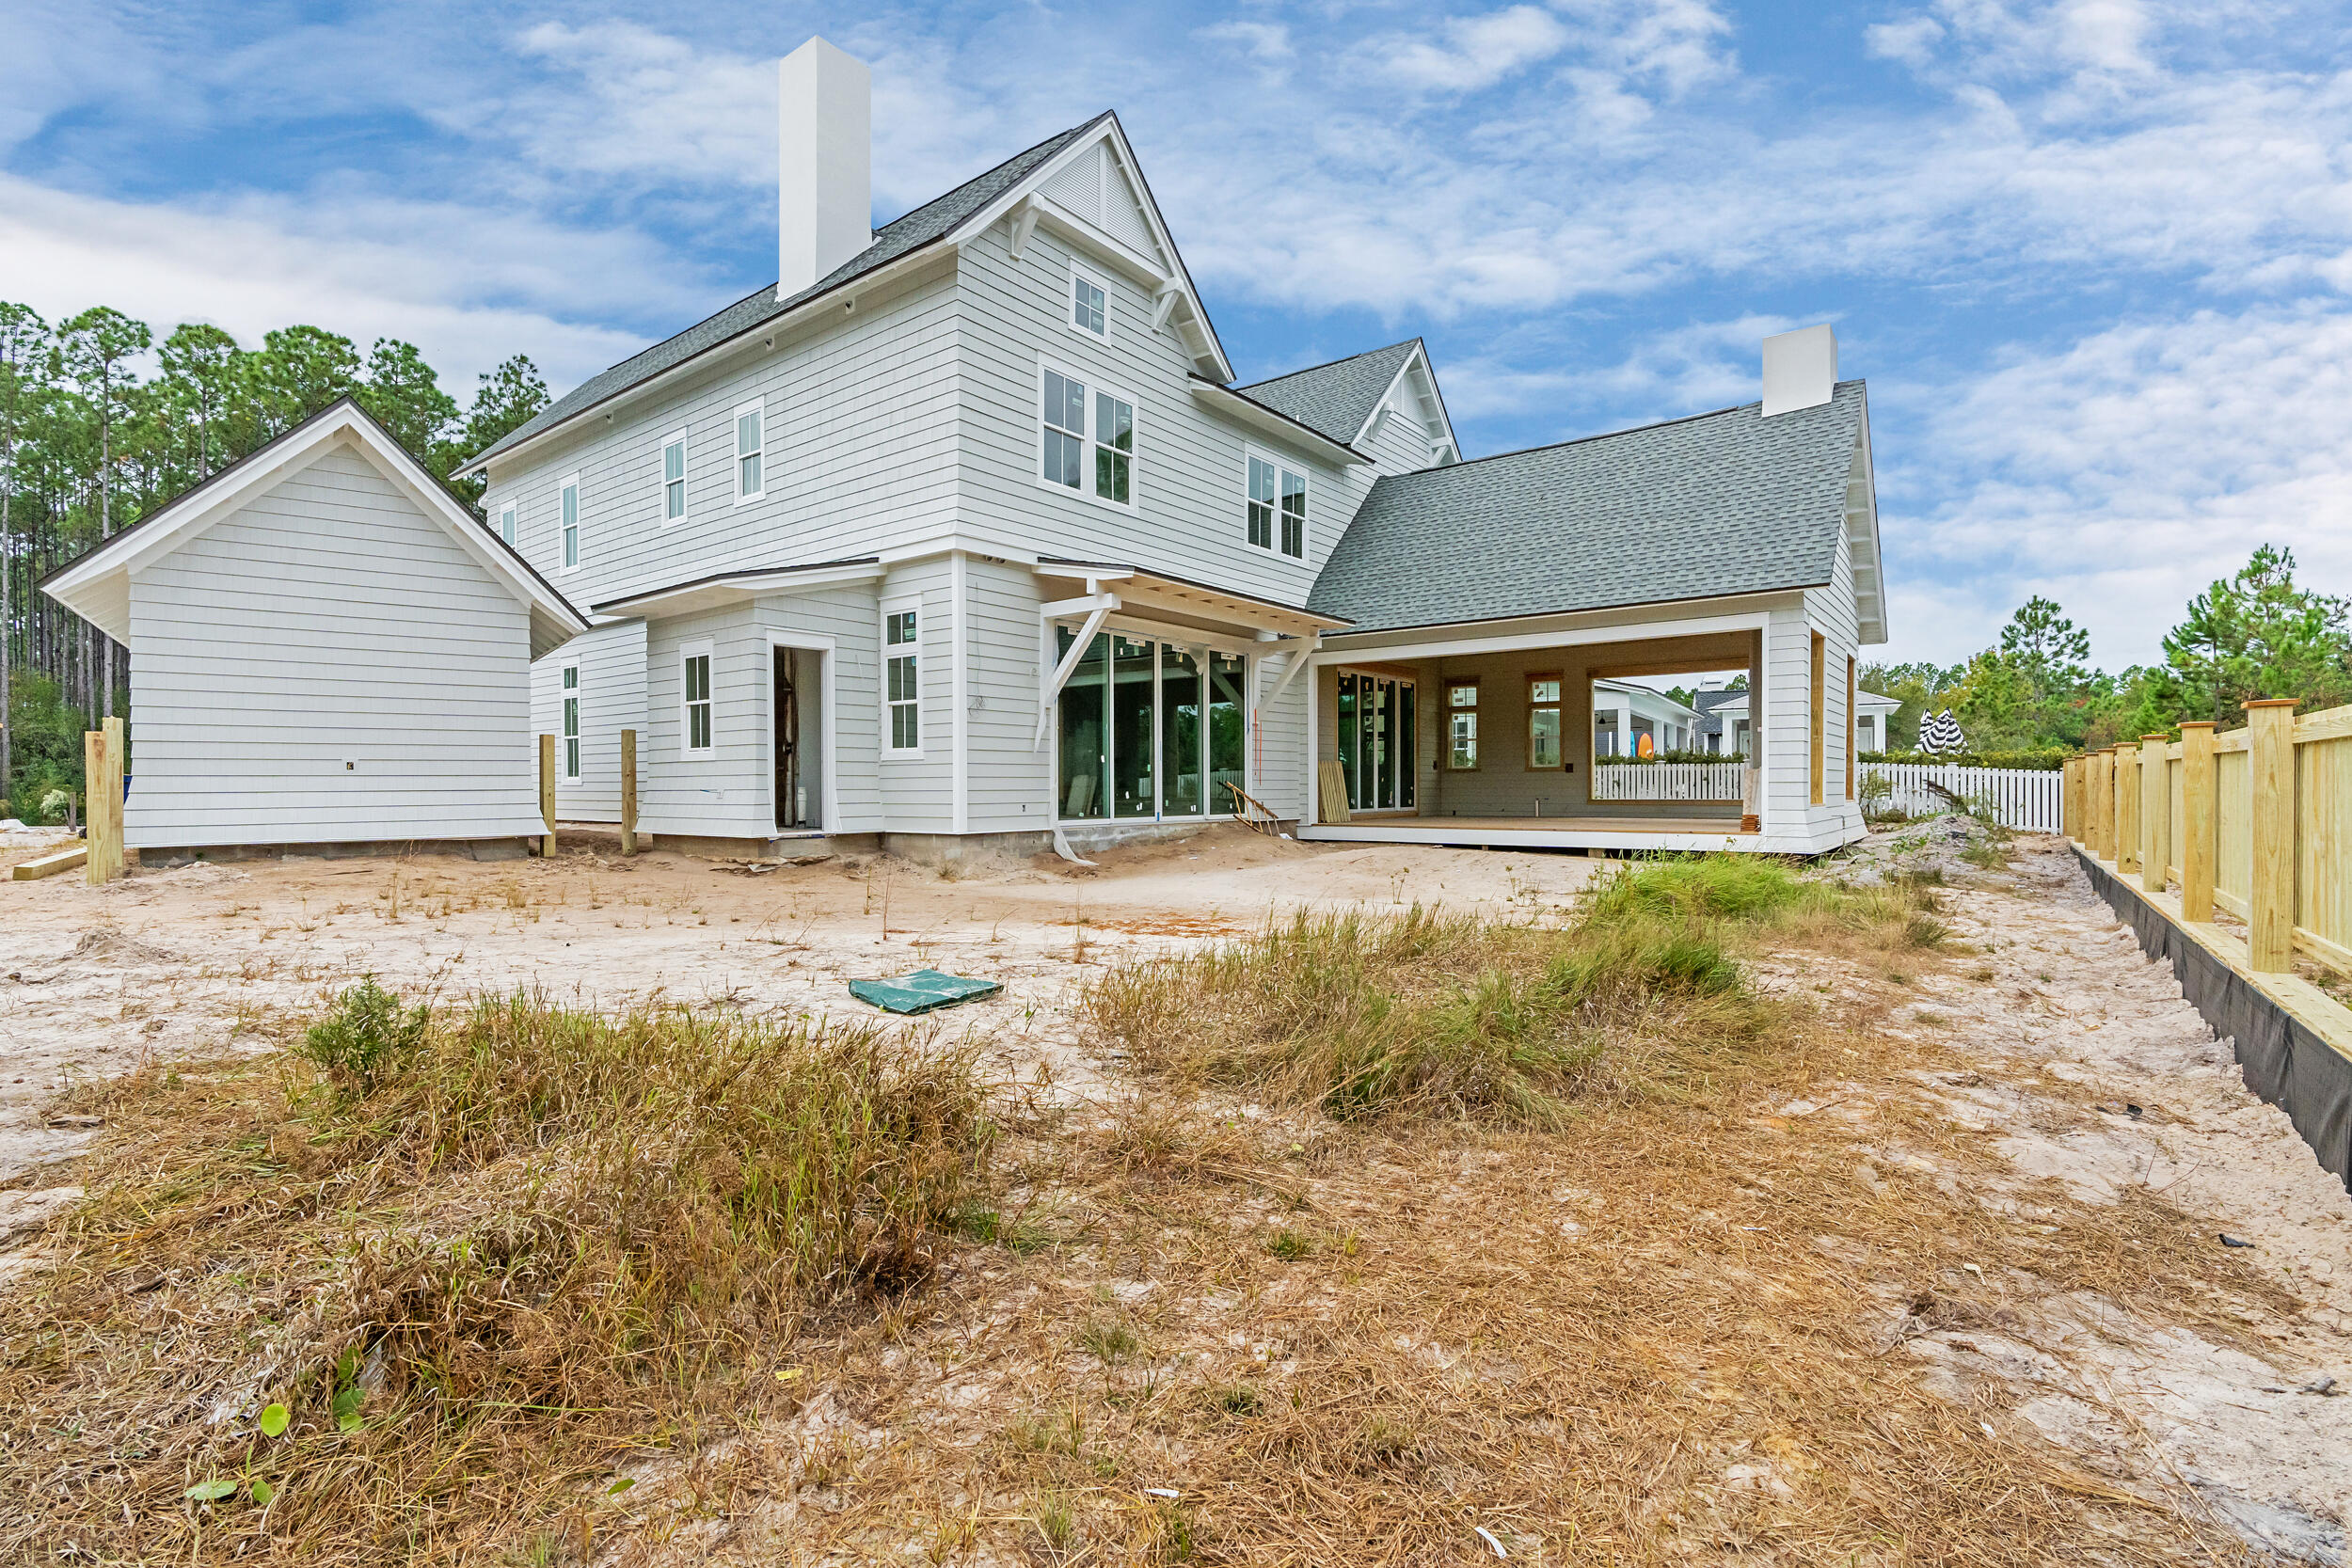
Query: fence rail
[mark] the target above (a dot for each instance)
(2256, 823)
(2029, 798)
(1669, 781)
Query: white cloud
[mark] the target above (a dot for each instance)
(1475, 52)
(468, 287)
(2119, 474)
(1267, 41)
(628, 100)
(1912, 41)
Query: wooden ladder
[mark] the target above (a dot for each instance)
(1252, 813)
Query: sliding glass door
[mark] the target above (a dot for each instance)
(1376, 741)
(1148, 729)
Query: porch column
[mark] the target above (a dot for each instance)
(1625, 726)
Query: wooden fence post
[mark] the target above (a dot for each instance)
(2095, 811)
(2155, 812)
(546, 793)
(2198, 785)
(2270, 900)
(629, 792)
(2126, 807)
(101, 778)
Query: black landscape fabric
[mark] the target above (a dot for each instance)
(2283, 1061)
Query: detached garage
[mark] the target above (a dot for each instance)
(327, 648)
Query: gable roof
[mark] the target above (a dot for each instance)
(925, 226)
(1716, 504)
(973, 205)
(95, 584)
(1336, 400)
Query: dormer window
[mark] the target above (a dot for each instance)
(1089, 303)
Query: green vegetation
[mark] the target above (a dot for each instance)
(425, 1273)
(1504, 1023)
(2257, 633)
(100, 425)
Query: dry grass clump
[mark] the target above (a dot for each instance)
(1361, 1014)
(475, 1259)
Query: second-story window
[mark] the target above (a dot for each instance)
(1087, 302)
(506, 522)
(571, 523)
(1077, 418)
(674, 479)
(750, 443)
(1277, 507)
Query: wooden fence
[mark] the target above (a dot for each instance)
(2256, 823)
(1669, 781)
(2031, 799)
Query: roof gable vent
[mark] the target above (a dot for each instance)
(1800, 369)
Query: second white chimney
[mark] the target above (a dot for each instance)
(1800, 369)
(825, 174)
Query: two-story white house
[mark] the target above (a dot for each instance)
(965, 536)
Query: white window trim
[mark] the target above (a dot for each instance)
(734, 441)
(1070, 303)
(698, 649)
(900, 606)
(1274, 547)
(577, 693)
(580, 525)
(510, 527)
(686, 494)
(1095, 386)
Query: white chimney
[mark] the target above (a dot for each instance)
(1800, 369)
(825, 176)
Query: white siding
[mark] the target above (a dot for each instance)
(918, 792)
(1009, 784)
(328, 621)
(611, 663)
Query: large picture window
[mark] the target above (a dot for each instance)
(1376, 741)
(1148, 728)
(1078, 420)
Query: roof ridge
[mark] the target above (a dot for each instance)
(1331, 364)
(1604, 435)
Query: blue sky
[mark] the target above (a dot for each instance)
(2092, 256)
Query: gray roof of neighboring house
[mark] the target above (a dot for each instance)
(926, 224)
(1721, 503)
(1335, 400)
(1706, 703)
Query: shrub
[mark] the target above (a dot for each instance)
(367, 1035)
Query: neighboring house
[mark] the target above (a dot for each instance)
(1871, 712)
(1623, 712)
(325, 650)
(963, 535)
(1723, 726)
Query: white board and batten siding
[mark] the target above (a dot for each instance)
(327, 665)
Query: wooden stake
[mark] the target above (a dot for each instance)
(101, 775)
(2270, 901)
(2198, 784)
(546, 793)
(2155, 812)
(629, 792)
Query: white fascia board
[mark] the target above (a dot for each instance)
(693, 598)
(808, 311)
(1870, 627)
(1110, 132)
(1276, 426)
(1447, 642)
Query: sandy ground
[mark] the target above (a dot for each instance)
(2084, 1066)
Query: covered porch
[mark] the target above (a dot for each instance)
(1511, 738)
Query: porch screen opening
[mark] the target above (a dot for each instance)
(1148, 730)
(1375, 742)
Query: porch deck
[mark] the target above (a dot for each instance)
(1542, 833)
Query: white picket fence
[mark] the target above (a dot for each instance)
(2031, 799)
(1668, 781)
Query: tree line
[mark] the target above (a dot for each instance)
(2256, 633)
(100, 423)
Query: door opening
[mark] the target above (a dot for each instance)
(793, 671)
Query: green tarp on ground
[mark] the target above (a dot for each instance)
(921, 991)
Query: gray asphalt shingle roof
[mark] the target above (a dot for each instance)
(1727, 502)
(926, 223)
(1335, 400)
